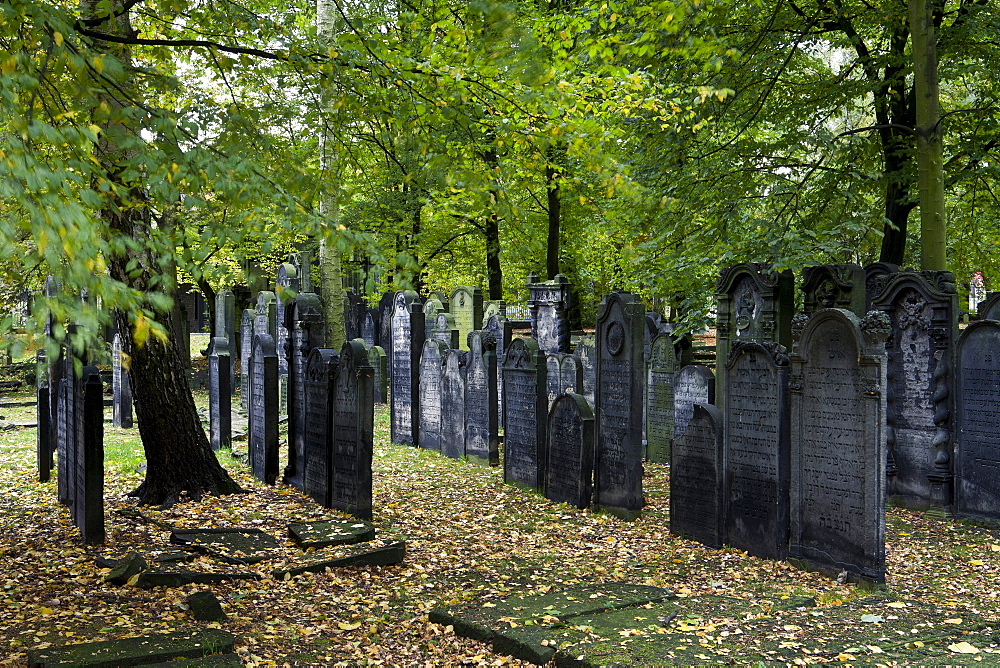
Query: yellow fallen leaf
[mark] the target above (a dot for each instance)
(963, 648)
(45, 611)
(348, 627)
(995, 547)
(953, 620)
(897, 604)
(875, 649)
(976, 562)
(846, 657)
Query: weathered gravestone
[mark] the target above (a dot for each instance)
(563, 374)
(305, 324)
(453, 369)
(441, 297)
(266, 318)
(220, 394)
(52, 373)
(660, 372)
(369, 327)
(121, 387)
(225, 323)
(586, 351)
(494, 325)
(834, 286)
(466, 305)
(922, 307)
(755, 474)
(70, 411)
(286, 291)
(977, 446)
(494, 307)
(694, 384)
(356, 309)
(525, 410)
(246, 348)
(353, 433)
(876, 277)
(385, 306)
(838, 454)
(407, 332)
(696, 503)
(569, 470)
(989, 308)
(446, 331)
(88, 501)
(619, 450)
(320, 379)
(548, 303)
(43, 433)
(377, 359)
(482, 440)
(431, 366)
(432, 308)
(262, 425)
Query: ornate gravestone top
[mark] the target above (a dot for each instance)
(466, 306)
(548, 303)
(834, 286)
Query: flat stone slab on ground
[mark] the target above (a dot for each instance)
(324, 533)
(137, 651)
(232, 546)
(383, 552)
(172, 576)
(217, 661)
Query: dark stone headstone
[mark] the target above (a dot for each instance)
(380, 380)
(220, 395)
(563, 374)
(977, 446)
(266, 320)
(432, 307)
(989, 308)
(88, 504)
(246, 348)
(431, 365)
(466, 305)
(525, 411)
(838, 450)
(353, 433)
(320, 377)
(619, 450)
(696, 503)
(286, 291)
(586, 351)
(369, 326)
(834, 286)
(385, 306)
(445, 330)
(205, 607)
(262, 427)
(121, 387)
(43, 436)
(482, 438)
(569, 471)
(548, 303)
(922, 307)
(325, 533)
(70, 411)
(356, 310)
(694, 384)
(305, 325)
(660, 372)
(756, 449)
(225, 322)
(407, 333)
(494, 325)
(876, 278)
(453, 369)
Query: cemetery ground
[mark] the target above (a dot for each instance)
(473, 540)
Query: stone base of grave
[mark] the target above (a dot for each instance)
(144, 650)
(178, 577)
(383, 552)
(324, 533)
(232, 546)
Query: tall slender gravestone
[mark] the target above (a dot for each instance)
(569, 469)
(494, 325)
(266, 319)
(432, 308)
(286, 290)
(220, 394)
(494, 307)
(306, 329)
(482, 439)
(320, 380)
(876, 277)
(67, 432)
(263, 418)
(696, 502)
(369, 326)
(564, 374)
(838, 454)
(225, 322)
(660, 372)
(53, 373)
(922, 307)
(618, 415)
(431, 361)
(989, 308)
(466, 305)
(356, 309)
(353, 431)
(977, 446)
(525, 410)
(385, 306)
(246, 349)
(446, 331)
(377, 358)
(43, 434)
(88, 499)
(121, 414)
(834, 286)
(548, 303)
(453, 370)
(404, 367)
(586, 351)
(694, 384)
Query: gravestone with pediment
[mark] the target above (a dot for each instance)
(876, 278)
(466, 305)
(225, 323)
(756, 452)
(266, 319)
(660, 372)
(694, 384)
(377, 359)
(306, 327)
(453, 370)
(989, 308)
(407, 332)
(320, 381)
(569, 470)
(246, 348)
(525, 411)
(548, 303)
(432, 308)
(262, 423)
(121, 414)
(220, 395)
(353, 433)
(696, 502)
(619, 450)
(482, 439)
(834, 286)
(431, 367)
(977, 437)
(923, 308)
(564, 373)
(441, 297)
(838, 449)
(586, 352)
(446, 331)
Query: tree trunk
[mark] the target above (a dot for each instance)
(491, 230)
(554, 206)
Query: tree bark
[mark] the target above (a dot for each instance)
(491, 231)
(554, 206)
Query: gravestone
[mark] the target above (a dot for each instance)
(586, 351)
(494, 307)
(525, 411)
(548, 303)
(246, 348)
(266, 319)
(262, 427)
(70, 410)
(353, 432)
(306, 327)
(320, 379)
(121, 413)
(618, 414)
(356, 309)
(286, 290)
(431, 367)
(977, 446)
(441, 297)
(922, 307)
(432, 308)
(88, 502)
(225, 322)
(494, 325)
(446, 331)
(43, 435)
(876, 278)
(385, 306)
(482, 439)
(220, 395)
(564, 374)
(756, 453)
(377, 360)
(834, 286)
(696, 503)
(569, 470)
(466, 306)
(694, 384)
(838, 454)
(53, 372)
(453, 369)
(989, 308)
(660, 371)
(369, 327)
(407, 332)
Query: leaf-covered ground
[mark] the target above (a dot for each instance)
(471, 538)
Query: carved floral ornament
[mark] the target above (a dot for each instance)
(876, 327)
(913, 311)
(518, 355)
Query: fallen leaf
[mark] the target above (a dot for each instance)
(963, 648)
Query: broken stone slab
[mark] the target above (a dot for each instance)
(217, 661)
(384, 552)
(137, 651)
(174, 557)
(232, 546)
(325, 533)
(178, 577)
(205, 607)
(124, 568)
